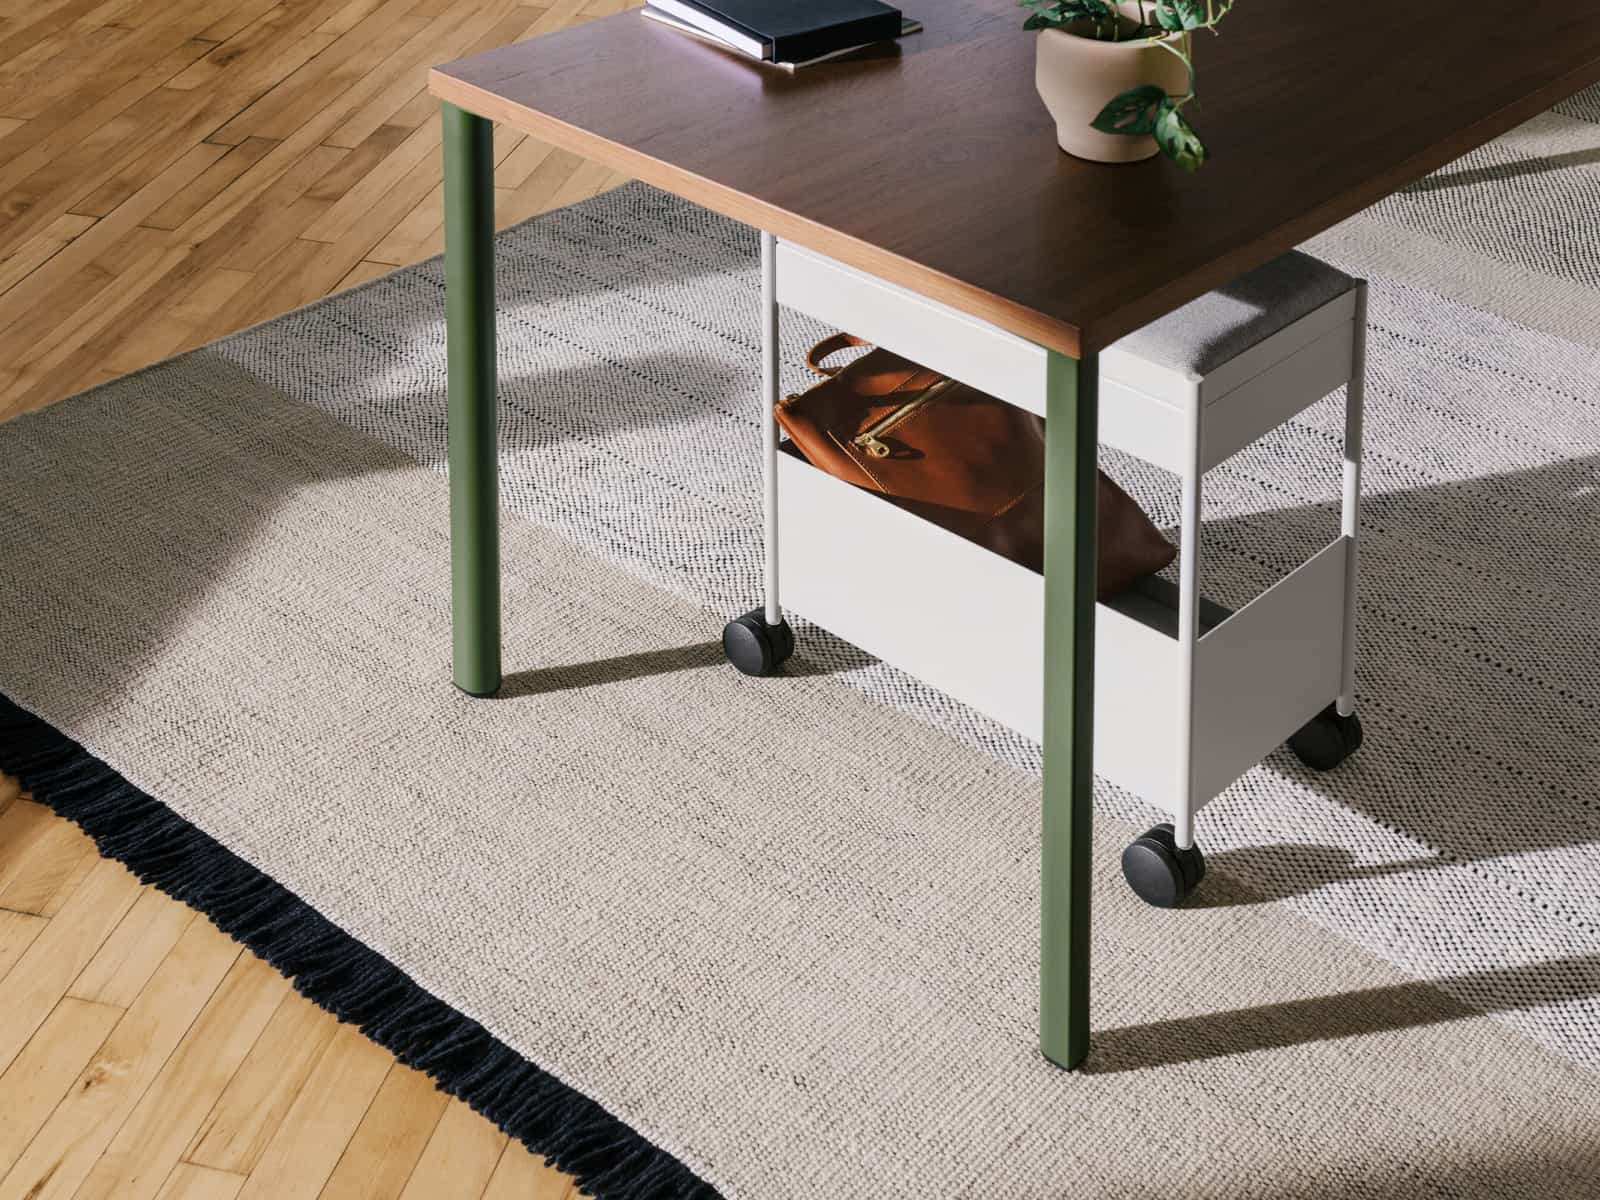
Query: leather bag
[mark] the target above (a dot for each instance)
(954, 456)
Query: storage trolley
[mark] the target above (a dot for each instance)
(1189, 695)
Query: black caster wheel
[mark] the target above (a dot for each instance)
(755, 647)
(1158, 872)
(1327, 739)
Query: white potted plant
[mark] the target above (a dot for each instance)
(1117, 74)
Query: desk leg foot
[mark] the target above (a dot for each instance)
(474, 466)
(1071, 430)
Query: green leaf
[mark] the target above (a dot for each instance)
(1134, 112)
(1173, 15)
(1051, 14)
(1177, 138)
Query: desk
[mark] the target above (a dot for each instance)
(932, 165)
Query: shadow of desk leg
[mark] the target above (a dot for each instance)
(1070, 533)
(474, 468)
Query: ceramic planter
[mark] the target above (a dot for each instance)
(1077, 76)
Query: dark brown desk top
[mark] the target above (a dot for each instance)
(934, 164)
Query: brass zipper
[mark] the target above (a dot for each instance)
(868, 439)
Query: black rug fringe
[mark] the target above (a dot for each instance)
(336, 971)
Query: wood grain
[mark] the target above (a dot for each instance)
(392, 1136)
(106, 1091)
(171, 172)
(326, 1112)
(933, 163)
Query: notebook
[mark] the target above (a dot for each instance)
(785, 31)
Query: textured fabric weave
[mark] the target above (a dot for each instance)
(805, 965)
(785, 932)
(1463, 839)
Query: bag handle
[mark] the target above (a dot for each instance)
(831, 345)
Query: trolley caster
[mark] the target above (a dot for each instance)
(1327, 739)
(755, 647)
(1158, 872)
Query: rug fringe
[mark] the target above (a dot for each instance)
(338, 972)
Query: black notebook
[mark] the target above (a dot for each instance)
(794, 30)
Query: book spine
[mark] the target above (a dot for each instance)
(817, 42)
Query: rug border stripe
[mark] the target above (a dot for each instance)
(338, 972)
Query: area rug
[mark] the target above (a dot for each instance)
(690, 932)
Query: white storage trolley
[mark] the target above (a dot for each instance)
(1188, 696)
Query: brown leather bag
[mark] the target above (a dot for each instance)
(954, 456)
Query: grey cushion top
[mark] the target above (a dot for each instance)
(1219, 326)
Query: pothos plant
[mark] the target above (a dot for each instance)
(1148, 110)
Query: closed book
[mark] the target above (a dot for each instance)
(686, 16)
(794, 30)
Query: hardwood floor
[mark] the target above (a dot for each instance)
(171, 172)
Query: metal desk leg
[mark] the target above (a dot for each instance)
(474, 469)
(1070, 534)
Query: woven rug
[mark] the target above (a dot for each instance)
(689, 932)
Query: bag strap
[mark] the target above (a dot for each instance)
(831, 345)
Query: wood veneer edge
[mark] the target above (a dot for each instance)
(1008, 315)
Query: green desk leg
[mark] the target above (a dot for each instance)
(1070, 531)
(474, 469)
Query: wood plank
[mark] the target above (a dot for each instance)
(237, 18)
(54, 1058)
(210, 183)
(152, 116)
(364, 271)
(346, 60)
(300, 272)
(63, 1152)
(284, 211)
(191, 1182)
(64, 127)
(22, 260)
(405, 73)
(300, 1158)
(533, 196)
(149, 1144)
(137, 947)
(63, 65)
(18, 931)
(248, 45)
(32, 841)
(460, 1158)
(41, 377)
(47, 968)
(31, 317)
(235, 1133)
(378, 187)
(523, 1175)
(351, 15)
(51, 871)
(168, 329)
(390, 1139)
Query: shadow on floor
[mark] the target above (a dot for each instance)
(1269, 869)
(539, 681)
(1342, 1015)
(1475, 176)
